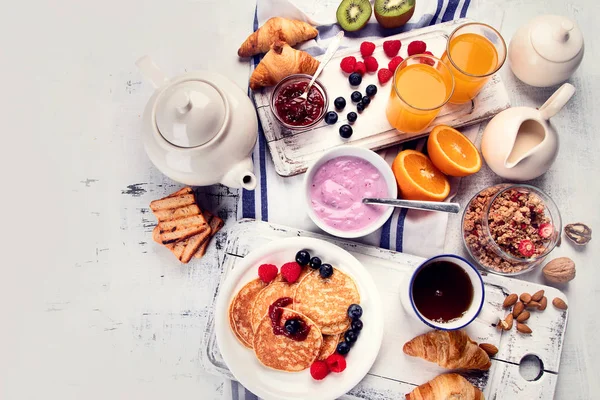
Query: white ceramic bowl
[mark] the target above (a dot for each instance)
(365, 154)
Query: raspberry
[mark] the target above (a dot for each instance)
(291, 271)
(394, 62)
(367, 48)
(428, 53)
(371, 64)
(267, 272)
(319, 370)
(526, 248)
(416, 47)
(391, 47)
(384, 75)
(545, 230)
(348, 63)
(360, 67)
(336, 362)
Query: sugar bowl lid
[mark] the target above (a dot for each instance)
(190, 113)
(556, 38)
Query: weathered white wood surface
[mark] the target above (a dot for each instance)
(293, 151)
(388, 268)
(86, 314)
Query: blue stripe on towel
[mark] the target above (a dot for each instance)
(440, 4)
(248, 203)
(450, 10)
(400, 229)
(262, 151)
(463, 12)
(384, 241)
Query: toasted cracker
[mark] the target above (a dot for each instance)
(176, 213)
(215, 224)
(168, 203)
(178, 229)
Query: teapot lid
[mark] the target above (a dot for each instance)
(190, 113)
(556, 38)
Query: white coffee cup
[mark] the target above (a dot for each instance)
(406, 295)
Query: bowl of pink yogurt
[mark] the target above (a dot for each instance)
(336, 184)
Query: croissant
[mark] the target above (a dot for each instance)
(449, 349)
(279, 62)
(444, 387)
(290, 31)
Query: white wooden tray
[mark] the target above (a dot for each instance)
(293, 151)
(395, 374)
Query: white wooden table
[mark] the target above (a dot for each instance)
(90, 307)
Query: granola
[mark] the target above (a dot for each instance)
(517, 223)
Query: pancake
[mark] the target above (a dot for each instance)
(326, 301)
(337, 328)
(240, 311)
(328, 347)
(265, 298)
(285, 354)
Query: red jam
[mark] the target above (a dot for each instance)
(275, 313)
(299, 112)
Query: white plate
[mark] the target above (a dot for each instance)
(271, 384)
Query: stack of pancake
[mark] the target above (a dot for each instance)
(322, 303)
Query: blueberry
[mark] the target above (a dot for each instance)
(356, 96)
(355, 311)
(302, 257)
(340, 103)
(345, 131)
(357, 325)
(315, 263)
(355, 79)
(350, 337)
(292, 326)
(371, 90)
(352, 116)
(331, 117)
(343, 348)
(326, 270)
(366, 101)
(360, 107)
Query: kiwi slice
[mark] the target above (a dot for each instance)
(353, 15)
(393, 13)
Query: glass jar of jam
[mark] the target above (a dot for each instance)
(294, 113)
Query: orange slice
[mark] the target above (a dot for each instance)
(418, 178)
(452, 152)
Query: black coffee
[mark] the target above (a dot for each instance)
(442, 291)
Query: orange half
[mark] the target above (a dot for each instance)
(418, 178)
(452, 152)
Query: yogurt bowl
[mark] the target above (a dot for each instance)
(336, 183)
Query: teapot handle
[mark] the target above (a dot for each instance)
(557, 101)
(151, 72)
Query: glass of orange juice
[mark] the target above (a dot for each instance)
(474, 52)
(421, 86)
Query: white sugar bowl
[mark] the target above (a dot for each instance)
(546, 51)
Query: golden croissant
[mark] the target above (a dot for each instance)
(290, 31)
(445, 387)
(449, 349)
(279, 62)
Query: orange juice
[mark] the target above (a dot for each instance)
(473, 59)
(418, 93)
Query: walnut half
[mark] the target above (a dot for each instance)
(578, 233)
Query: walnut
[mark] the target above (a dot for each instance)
(559, 270)
(578, 233)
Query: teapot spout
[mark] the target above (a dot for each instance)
(241, 175)
(151, 72)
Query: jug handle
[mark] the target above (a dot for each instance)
(151, 72)
(557, 101)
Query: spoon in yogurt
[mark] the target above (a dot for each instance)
(453, 208)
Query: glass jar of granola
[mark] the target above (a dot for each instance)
(510, 229)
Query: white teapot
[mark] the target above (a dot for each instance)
(519, 144)
(546, 51)
(199, 128)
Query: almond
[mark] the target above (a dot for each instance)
(501, 325)
(523, 328)
(510, 300)
(537, 296)
(524, 316)
(533, 305)
(519, 307)
(559, 303)
(509, 322)
(490, 349)
(543, 303)
(525, 298)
